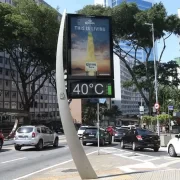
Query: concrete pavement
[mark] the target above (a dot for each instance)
(117, 164)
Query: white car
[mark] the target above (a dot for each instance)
(81, 131)
(173, 147)
(38, 136)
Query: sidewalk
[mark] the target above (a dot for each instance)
(107, 168)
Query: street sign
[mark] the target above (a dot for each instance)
(170, 108)
(141, 108)
(102, 101)
(156, 106)
(94, 100)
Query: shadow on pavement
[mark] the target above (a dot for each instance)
(119, 175)
(4, 150)
(106, 145)
(47, 148)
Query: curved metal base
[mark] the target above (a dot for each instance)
(80, 159)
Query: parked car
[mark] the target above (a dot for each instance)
(173, 147)
(139, 139)
(119, 133)
(129, 127)
(90, 135)
(1, 140)
(81, 131)
(38, 136)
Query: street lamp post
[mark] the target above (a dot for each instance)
(155, 71)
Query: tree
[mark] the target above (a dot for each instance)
(29, 34)
(129, 26)
(169, 95)
(113, 112)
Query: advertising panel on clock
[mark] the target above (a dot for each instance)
(90, 52)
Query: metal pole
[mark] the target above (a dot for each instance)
(98, 126)
(78, 154)
(155, 75)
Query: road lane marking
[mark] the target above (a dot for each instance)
(13, 160)
(168, 163)
(44, 169)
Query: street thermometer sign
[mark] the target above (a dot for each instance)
(90, 57)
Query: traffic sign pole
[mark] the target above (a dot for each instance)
(156, 106)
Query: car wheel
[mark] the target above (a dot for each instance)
(156, 149)
(102, 142)
(172, 151)
(134, 147)
(84, 143)
(56, 142)
(122, 144)
(17, 147)
(39, 145)
(141, 149)
(1, 144)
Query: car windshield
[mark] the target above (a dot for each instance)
(82, 128)
(25, 129)
(93, 131)
(144, 132)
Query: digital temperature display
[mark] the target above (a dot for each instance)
(90, 89)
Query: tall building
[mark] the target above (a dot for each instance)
(127, 99)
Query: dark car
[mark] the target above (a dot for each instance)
(90, 135)
(140, 139)
(1, 140)
(119, 133)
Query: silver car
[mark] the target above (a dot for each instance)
(38, 136)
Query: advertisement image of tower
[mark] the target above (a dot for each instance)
(91, 64)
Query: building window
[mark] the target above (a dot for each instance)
(14, 105)
(1, 81)
(50, 105)
(41, 97)
(7, 72)
(1, 71)
(1, 93)
(45, 89)
(13, 84)
(7, 83)
(6, 94)
(6, 105)
(36, 96)
(14, 94)
(6, 61)
(45, 97)
(20, 106)
(1, 59)
(42, 105)
(46, 105)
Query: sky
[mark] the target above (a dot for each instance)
(173, 48)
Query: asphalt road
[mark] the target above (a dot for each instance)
(15, 164)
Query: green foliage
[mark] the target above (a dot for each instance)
(129, 24)
(113, 112)
(163, 118)
(169, 95)
(29, 35)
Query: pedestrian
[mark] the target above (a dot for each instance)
(167, 128)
